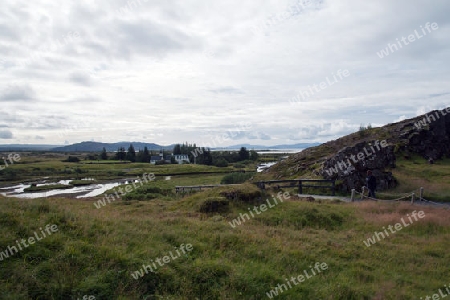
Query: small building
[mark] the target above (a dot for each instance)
(154, 159)
(181, 158)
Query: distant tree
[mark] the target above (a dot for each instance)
(120, 155)
(177, 149)
(205, 158)
(104, 154)
(145, 155)
(254, 155)
(363, 130)
(131, 154)
(243, 154)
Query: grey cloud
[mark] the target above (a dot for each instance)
(236, 135)
(7, 32)
(11, 118)
(227, 90)
(147, 37)
(437, 95)
(80, 78)
(258, 136)
(6, 135)
(46, 122)
(17, 92)
(263, 136)
(172, 69)
(125, 39)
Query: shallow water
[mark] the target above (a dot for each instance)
(91, 190)
(262, 167)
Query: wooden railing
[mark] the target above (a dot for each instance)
(190, 188)
(292, 183)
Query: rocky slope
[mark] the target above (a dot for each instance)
(347, 159)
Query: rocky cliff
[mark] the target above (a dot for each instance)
(347, 159)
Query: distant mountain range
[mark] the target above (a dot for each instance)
(26, 147)
(110, 147)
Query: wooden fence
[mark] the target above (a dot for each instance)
(190, 188)
(292, 183)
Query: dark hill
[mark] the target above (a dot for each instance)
(110, 147)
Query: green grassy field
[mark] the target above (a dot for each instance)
(34, 166)
(96, 251)
(416, 172)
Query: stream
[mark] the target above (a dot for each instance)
(85, 191)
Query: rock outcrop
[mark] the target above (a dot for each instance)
(350, 165)
(428, 135)
(347, 159)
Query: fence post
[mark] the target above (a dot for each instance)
(362, 193)
(421, 194)
(300, 187)
(412, 198)
(353, 195)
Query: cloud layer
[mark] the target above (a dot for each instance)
(191, 70)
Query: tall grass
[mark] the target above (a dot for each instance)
(96, 250)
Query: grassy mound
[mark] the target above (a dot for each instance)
(82, 182)
(47, 187)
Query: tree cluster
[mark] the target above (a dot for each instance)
(198, 155)
(204, 156)
(130, 154)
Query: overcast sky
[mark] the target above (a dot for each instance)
(173, 71)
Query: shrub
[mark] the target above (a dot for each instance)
(73, 159)
(221, 163)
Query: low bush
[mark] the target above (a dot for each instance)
(221, 163)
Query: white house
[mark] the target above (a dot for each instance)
(181, 158)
